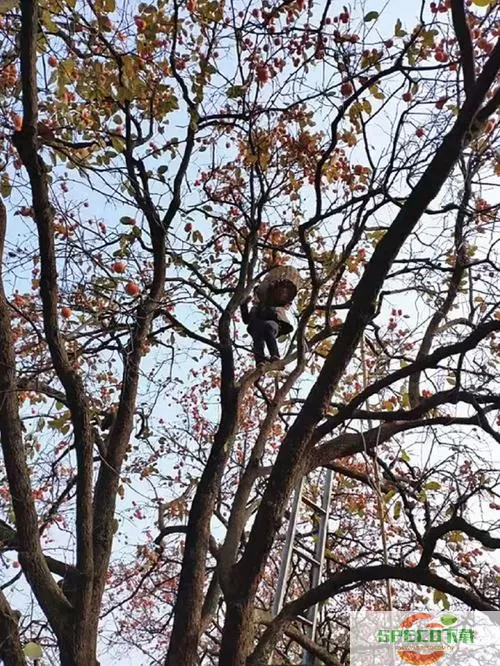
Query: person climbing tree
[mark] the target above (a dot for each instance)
(267, 320)
(265, 323)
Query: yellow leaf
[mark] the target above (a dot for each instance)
(376, 92)
(66, 69)
(33, 651)
(128, 63)
(483, 3)
(349, 138)
(455, 537)
(118, 143)
(397, 510)
(367, 107)
(5, 185)
(398, 31)
(7, 5)
(124, 94)
(428, 37)
(47, 21)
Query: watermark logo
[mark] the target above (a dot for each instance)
(424, 638)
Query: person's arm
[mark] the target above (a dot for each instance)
(245, 315)
(271, 313)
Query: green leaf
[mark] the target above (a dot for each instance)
(5, 185)
(371, 16)
(378, 94)
(162, 169)
(235, 91)
(428, 37)
(432, 485)
(441, 597)
(405, 457)
(47, 22)
(398, 31)
(118, 143)
(33, 651)
(66, 69)
(397, 510)
(448, 619)
(61, 423)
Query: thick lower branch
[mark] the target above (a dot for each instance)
(338, 584)
(456, 524)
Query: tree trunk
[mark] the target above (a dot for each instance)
(11, 650)
(186, 632)
(239, 634)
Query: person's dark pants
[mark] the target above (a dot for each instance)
(264, 332)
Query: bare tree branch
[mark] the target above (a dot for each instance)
(455, 524)
(465, 42)
(468, 343)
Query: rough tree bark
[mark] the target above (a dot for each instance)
(11, 650)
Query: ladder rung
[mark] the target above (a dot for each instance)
(306, 556)
(303, 618)
(315, 507)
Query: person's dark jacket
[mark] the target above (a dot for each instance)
(266, 313)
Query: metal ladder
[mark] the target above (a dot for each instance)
(316, 561)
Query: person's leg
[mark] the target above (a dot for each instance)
(270, 332)
(257, 334)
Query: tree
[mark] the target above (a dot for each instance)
(163, 159)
